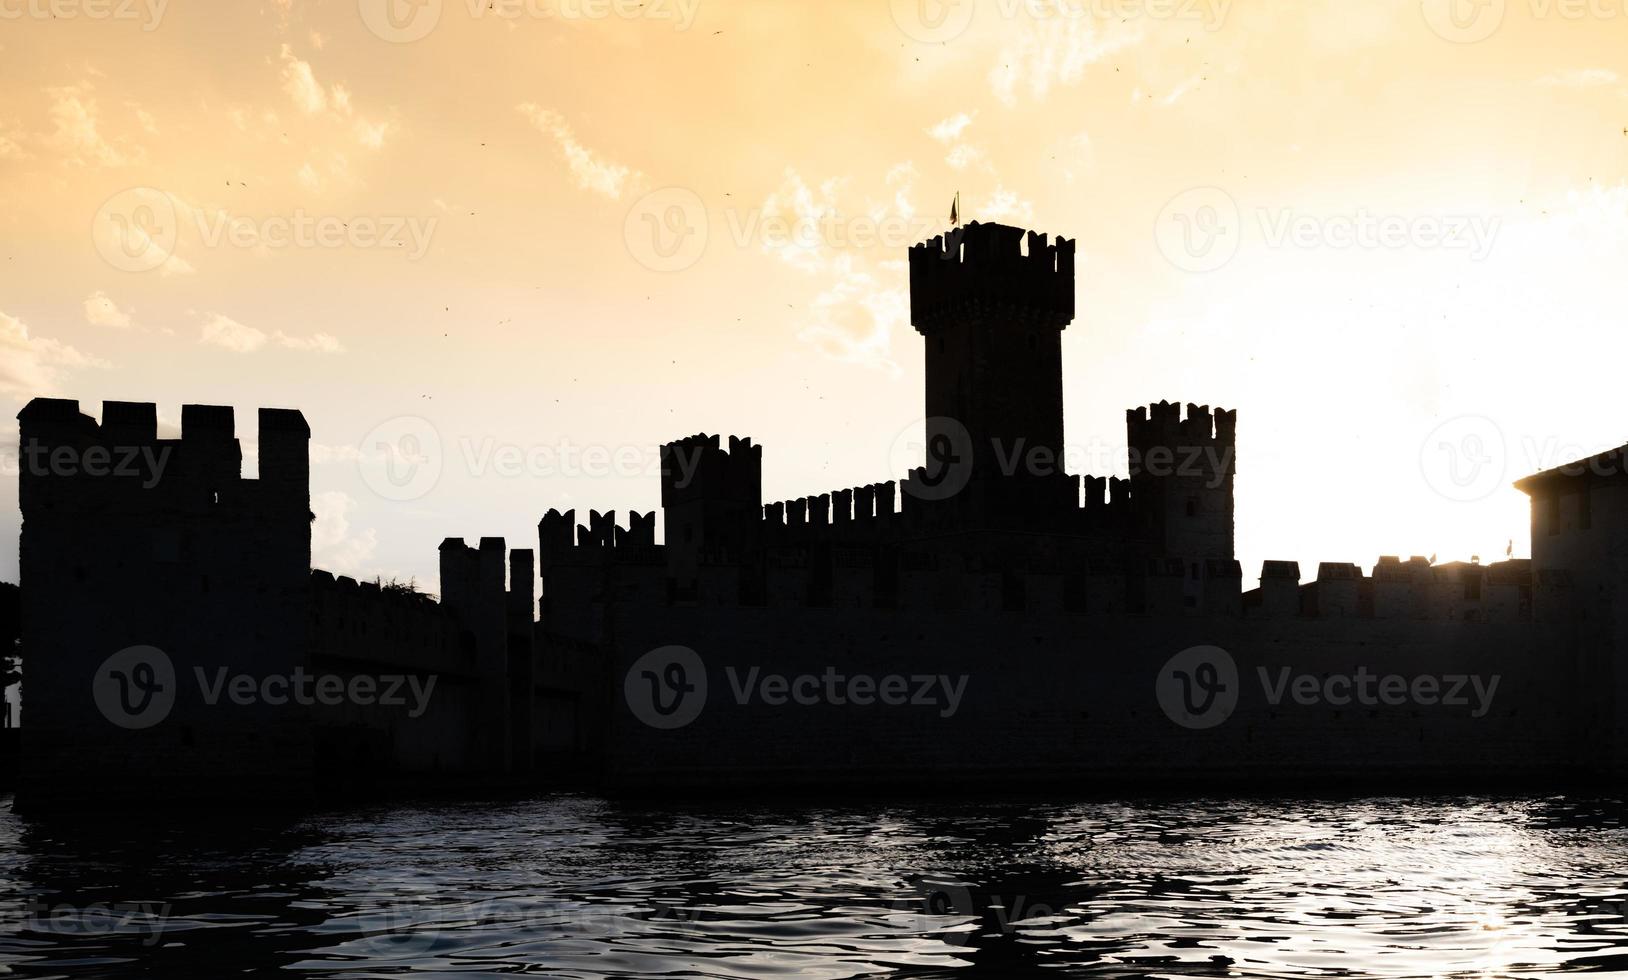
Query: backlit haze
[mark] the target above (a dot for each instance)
(560, 233)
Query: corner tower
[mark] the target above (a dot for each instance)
(991, 302)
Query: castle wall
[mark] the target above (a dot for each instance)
(363, 630)
(1580, 526)
(180, 647)
(1076, 698)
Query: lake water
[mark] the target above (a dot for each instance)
(583, 887)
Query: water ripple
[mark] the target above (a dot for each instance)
(583, 887)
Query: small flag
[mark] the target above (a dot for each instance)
(955, 211)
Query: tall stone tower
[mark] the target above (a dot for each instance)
(148, 564)
(991, 302)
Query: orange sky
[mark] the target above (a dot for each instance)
(550, 234)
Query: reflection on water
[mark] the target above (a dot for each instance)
(581, 887)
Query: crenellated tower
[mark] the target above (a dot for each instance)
(711, 501)
(991, 303)
(1181, 474)
(148, 563)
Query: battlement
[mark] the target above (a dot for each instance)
(1413, 589)
(1163, 424)
(559, 535)
(702, 466)
(1097, 492)
(995, 269)
(386, 626)
(67, 457)
(838, 508)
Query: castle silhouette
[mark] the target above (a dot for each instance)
(986, 618)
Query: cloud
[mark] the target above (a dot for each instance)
(961, 156)
(371, 134)
(1580, 78)
(321, 343)
(129, 228)
(103, 312)
(1006, 206)
(310, 97)
(225, 332)
(78, 134)
(950, 130)
(321, 453)
(1180, 90)
(964, 156)
(802, 209)
(859, 305)
(854, 319)
(222, 331)
(301, 84)
(10, 149)
(334, 545)
(1052, 51)
(592, 172)
(30, 365)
